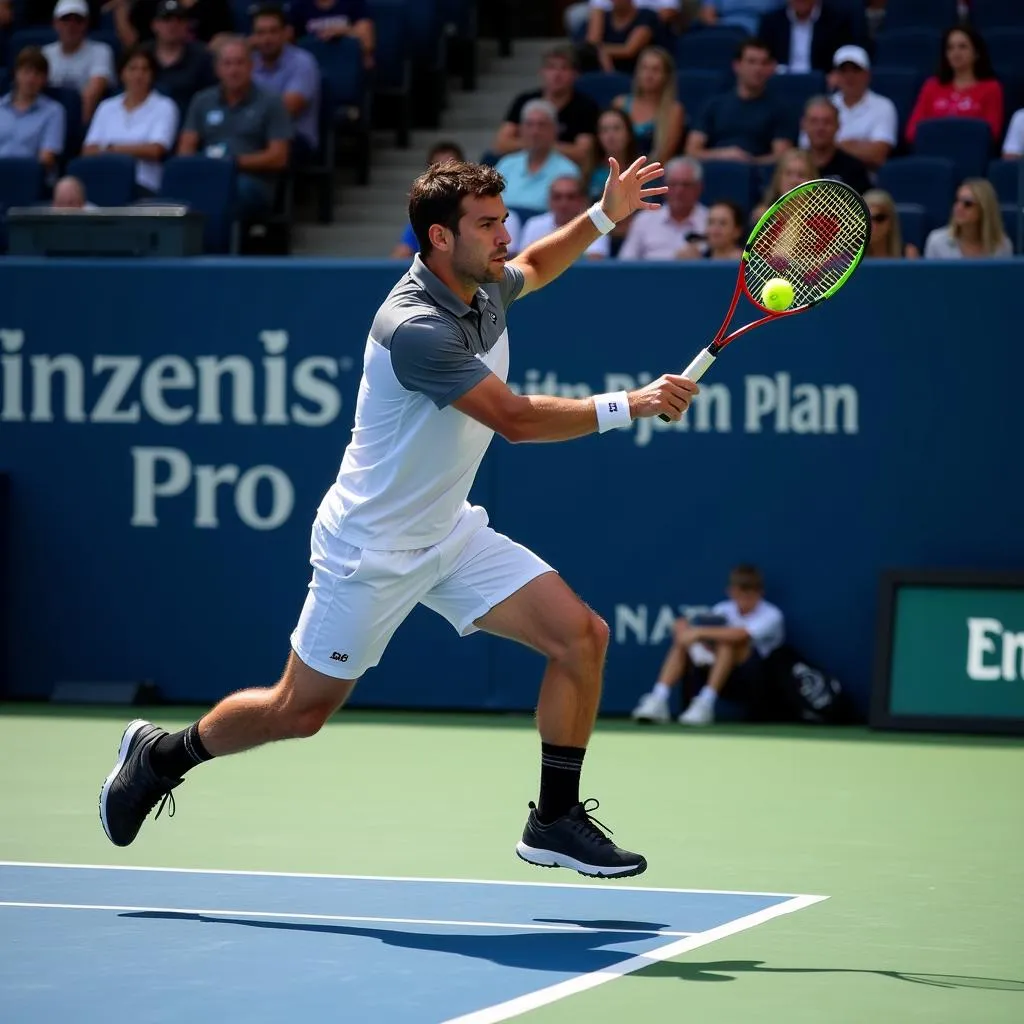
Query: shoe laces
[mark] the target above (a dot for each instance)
(590, 826)
(168, 802)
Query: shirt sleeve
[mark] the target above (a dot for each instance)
(925, 101)
(764, 624)
(303, 80)
(194, 118)
(511, 284)
(101, 63)
(515, 111)
(97, 133)
(632, 247)
(1014, 144)
(165, 126)
(428, 356)
(55, 131)
(279, 124)
(884, 127)
(992, 107)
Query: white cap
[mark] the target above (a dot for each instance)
(844, 55)
(66, 7)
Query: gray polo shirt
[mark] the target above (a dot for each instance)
(27, 133)
(408, 470)
(233, 131)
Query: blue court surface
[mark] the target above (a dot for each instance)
(90, 944)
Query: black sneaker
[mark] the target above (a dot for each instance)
(133, 788)
(575, 841)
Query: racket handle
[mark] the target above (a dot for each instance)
(694, 372)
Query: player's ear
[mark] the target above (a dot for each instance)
(441, 238)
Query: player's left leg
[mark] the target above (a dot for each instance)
(502, 588)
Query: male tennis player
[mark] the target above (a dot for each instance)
(395, 529)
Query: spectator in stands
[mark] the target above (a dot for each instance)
(744, 14)
(657, 115)
(289, 72)
(821, 125)
(208, 20)
(31, 125)
(747, 124)
(615, 138)
(238, 121)
(661, 234)
(1013, 144)
(746, 629)
(140, 122)
(69, 194)
(886, 237)
(529, 172)
(183, 67)
(867, 121)
(669, 13)
(805, 34)
(577, 113)
(77, 62)
(795, 166)
(965, 85)
(567, 200)
(725, 233)
(619, 35)
(40, 12)
(333, 19)
(975, 228)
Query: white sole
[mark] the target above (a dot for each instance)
(122, 753)
(550, 859)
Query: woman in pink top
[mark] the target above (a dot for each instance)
(965, 86)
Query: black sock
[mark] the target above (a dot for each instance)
(560, 769)
(175, 754)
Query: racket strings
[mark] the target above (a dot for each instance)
(812, 240)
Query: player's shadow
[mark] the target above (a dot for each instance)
(730, 970)
(573, 952)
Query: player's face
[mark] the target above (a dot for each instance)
(960, 52)
(481, 246)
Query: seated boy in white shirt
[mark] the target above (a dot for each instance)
(748, 629)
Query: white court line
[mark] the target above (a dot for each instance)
(204, 912)
(390, 878)
(551, 994)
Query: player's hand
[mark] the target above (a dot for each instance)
(669, 395)
(627, 191)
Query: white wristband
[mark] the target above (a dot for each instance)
(612, 410)
(601, 220)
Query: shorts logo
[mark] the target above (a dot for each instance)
(613, 406)
(493, 316)
(338, 656)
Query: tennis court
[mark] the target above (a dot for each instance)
(369, 875)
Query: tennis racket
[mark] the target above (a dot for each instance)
(813, 237)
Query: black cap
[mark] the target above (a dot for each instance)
(169, 9)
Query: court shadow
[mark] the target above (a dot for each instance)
(729, 970)
(622, 926)
(563, 952)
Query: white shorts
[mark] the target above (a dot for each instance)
(358, 597)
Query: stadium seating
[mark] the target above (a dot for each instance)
(109, 178)
(74, 124)
(603, 86)
(909, 48)
(21, 184)
(901, 85)
(967, 141)
(207, 186)
(713, 48)
(928, 180)
(993, 14)
(1007, 177)
(1006, 47)
(725, 179)
(5, 81)
(393, 67)
(937, 15)
(695, 86)
(1013, 220)
(795, 90)
(914, 225)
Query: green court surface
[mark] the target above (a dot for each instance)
(917, 841)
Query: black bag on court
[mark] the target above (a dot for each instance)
(799, 691)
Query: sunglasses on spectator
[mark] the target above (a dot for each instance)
(966, 201)
(879, 218)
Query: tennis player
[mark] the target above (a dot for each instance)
(395, 530)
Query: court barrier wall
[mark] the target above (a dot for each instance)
(169, 429)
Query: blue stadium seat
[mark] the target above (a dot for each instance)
(914, 224)
(967, 141)
(901, 85)
(321, 168)
(603, 86)
(713, 48)
(992, 14)
(909, 48)
(207, 186)
(5, 80)
(696, 86)
(109, 178)
(795, 90)
(1013, 221)
(393, 70)
(37, 36)
(1006, 45)
(21, 184)
(933, 14)
(928, 180)
(1007, 177)
(726, 179)
(74, 124)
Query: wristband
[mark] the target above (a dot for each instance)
(612, 410)
(601, 220)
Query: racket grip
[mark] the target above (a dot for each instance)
(694, 372)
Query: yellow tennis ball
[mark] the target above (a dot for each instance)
(777, 294)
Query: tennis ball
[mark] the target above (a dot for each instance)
(777, 294)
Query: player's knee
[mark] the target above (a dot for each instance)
(585, 641)
(302, 722)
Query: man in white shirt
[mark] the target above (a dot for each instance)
(749, 630)
(77, 62)
(660, 234)
(567, 200)
(1013, 144)
(867, 121)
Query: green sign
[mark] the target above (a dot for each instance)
(951, 652)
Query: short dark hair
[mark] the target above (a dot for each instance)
(34, 58)
(138, 50)
(561, 51)
(751, 43)
(444, 146)
(734, 208)
(747, 577)
(270, 11)
(436, 196)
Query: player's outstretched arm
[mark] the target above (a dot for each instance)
(547, 418)
(625, 192)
